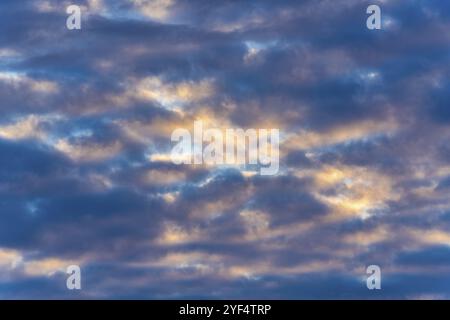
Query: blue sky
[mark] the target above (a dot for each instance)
(85, 123)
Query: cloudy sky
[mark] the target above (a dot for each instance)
(86, 178)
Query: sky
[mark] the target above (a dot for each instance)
(86, 177)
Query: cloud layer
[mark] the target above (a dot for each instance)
(85, 125)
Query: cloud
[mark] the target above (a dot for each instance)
(85, 170)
